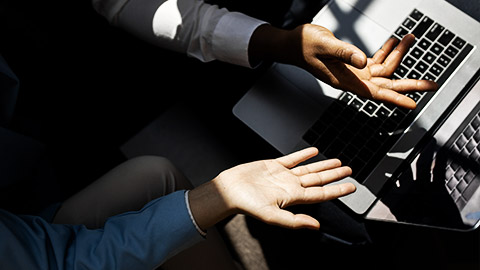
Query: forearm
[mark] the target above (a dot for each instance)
(269, 43)
(133, 240)
(200, 30)
(207, 204)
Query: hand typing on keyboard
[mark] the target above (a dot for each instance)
(341, 64)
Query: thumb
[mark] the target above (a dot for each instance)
(346, 52)
(286, 219)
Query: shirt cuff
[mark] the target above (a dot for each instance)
(202, 232)
(232, 36)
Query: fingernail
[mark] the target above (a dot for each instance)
(358, 60)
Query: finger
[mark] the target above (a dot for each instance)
(325, 177)
(286, 219)
(295, 158)
(393, 59)
(405, 85)
(382, 54)
(316, 167)
(390, 96)
(345, 52)
(326, 193)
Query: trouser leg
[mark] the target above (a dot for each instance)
(128, 187)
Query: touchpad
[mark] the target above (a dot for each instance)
(350, 25)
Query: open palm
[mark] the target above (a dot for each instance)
(346, 67)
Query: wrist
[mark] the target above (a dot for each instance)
(269, 43)
(208, 205)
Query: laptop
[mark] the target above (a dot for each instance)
(292, 110)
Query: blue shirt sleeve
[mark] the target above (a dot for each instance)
(134, 240)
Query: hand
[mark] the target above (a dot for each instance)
(345, 67)
(262, 189)
(342, 65)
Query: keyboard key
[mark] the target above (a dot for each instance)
(469, 176)
(446, 37)
(422, 27)
(401, 32)
(417, 53)
(364, 154)
(451, 183)
(357, 165)
(370, 107)
(461, 186)
(335, 148)
(321, 125)
(349, 152)
(357, 104)
(344, 158)
(336, 107)
(397, 115)
(416, 15)
(347, 115)
(465, 152)
(436, 70)
(475, 136)
(401, 71)
(470, 146)
(415, 96)
(383, 113)
(374, 123)
(356, 124)
(414, 75)
(429, 58)
(409, 23)
(451, 51)
(345, 136)
(449, 172)
(435, 31)
(409, 62)
(454, 166)
(459, 173)
(469, 131)
(325, 140)
(444, 60)
(455, 194)
(460, 142)
(476, 122)
(390, 125)
(429, 77)
(459, 43)
(424, 44)
(421, 67)
(437, 49)
(346, 97)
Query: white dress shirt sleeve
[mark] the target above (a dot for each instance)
(194, 27)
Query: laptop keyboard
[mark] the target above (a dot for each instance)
(462, 171)
(359, 131)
